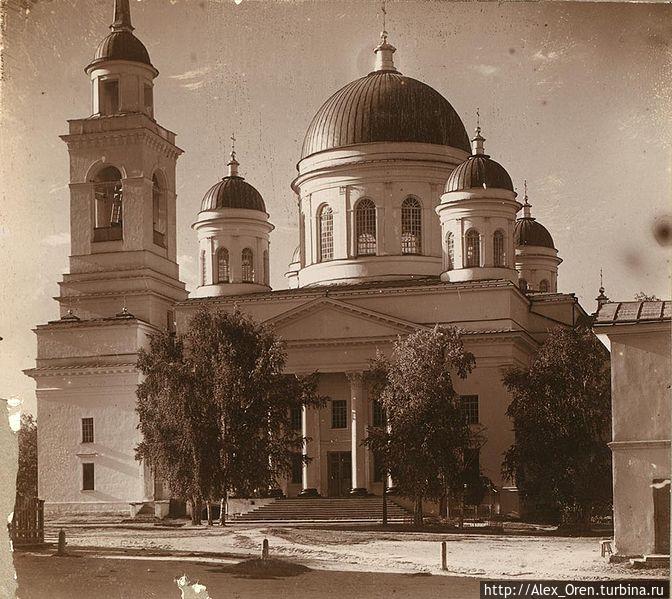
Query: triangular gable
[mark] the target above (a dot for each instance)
(327, 318)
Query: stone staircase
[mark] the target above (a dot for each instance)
(347, 509)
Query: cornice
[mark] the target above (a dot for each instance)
(122, 137)
(82, 370)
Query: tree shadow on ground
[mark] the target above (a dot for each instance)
(258, 568)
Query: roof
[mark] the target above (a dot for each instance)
(121, 45)
(528, 231)
(633, 312)
(233, 192)
(385, 106)
(479, 171)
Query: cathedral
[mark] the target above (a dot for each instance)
(404, 222)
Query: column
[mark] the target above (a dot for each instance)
(358, 424)
(310, 474)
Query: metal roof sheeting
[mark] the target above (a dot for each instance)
(122, 45)
(233, 192)
(479, 171)
(530, 232)
(634, 312)
(385, 106)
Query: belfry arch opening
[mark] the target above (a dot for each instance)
(108, 205)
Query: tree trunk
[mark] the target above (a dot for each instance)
(417, 512)
(223, 507)
(208, 507)
(196, 507)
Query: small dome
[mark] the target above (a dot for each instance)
(385, 106)
(233, 192)
(121, 45)
(530, 232)
(479, 171)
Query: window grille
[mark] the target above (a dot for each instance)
(469, 407)
(87, 430)
(543, 286)
(202, 267)
(365, 228)
(450, 251)
(247, 266)
(326, 223)
(222, 265)
(499, 248)
(267, 269)
(411, 227)
(339, 413)
(473, 248)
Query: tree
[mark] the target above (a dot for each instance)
(427, 438)
(214, 409)
(643, 297)
(26, 477)
(561, 413)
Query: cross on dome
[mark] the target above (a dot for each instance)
(384, 50)
(477, 146)
(527, 213)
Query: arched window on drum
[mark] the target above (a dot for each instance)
(365, 228)
(544, 287)
(247, 265)
(472, 248)
(223, 275)
(411, 227)
(499, 248)
(326, 233)
(450, 251)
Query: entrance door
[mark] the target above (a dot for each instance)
(661, 516)
(339, 472)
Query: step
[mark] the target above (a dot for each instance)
(651, 561)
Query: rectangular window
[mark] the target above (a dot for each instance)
(339, 413)
(469, 404)
(88, 477)
(297, 469)
(378, 414)
(87, 430)
(170, 321)
(295, 417)
(149, 100)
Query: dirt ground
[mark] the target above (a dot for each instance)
(48, 577)
(506, 556)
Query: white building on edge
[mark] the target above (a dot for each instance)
(402, 224)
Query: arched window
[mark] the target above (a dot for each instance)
(365, 228)
(202, 267)
(223, 265)
(544, 286)
(522, 283)
(411, 227)
(267, 269)
(159, 209)
(108, 195)
(326, 234)
(499, 248)
(450, 251)
(473, 248)
(247, 266)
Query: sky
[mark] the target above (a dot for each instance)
(573, 97)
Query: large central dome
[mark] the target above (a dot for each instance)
(385, 106)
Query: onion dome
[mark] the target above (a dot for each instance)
(530, 232)
(233, 192)
(121, 44)
(385, 106)
(479, 171)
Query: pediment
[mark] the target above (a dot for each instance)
(329, 319)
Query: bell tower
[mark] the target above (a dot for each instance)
(122, 190)
(120, 288)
